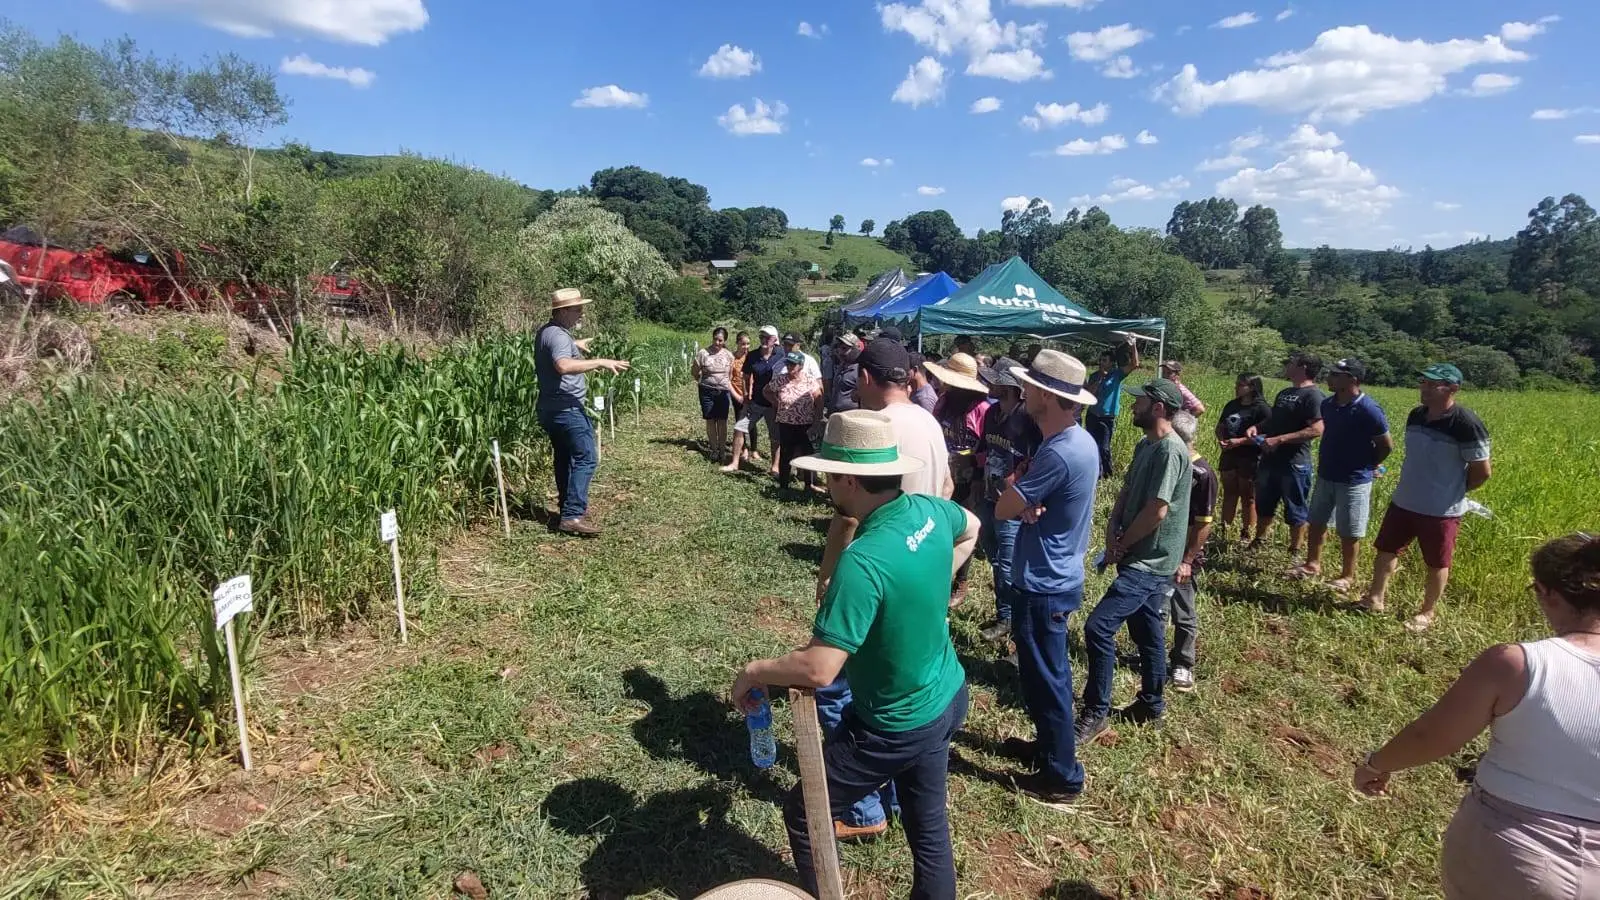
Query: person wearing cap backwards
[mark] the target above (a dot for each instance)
(1355, 441)
(1010, 438)
(1172, 370)
(883, 623)
(1447, 456)
(755, 375)
(960, 410)
(1145, 539)
(1106, 384)
(1054, 500)
(560, 366)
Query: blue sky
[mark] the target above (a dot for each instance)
(1365, 123)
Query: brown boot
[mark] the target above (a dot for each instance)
(578, 527)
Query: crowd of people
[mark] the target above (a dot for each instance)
(1007, 460)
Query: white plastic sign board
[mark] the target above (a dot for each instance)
(389, 527)
(600, 402)
(231, 598)
(636, 385)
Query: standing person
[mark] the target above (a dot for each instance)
(1285, 442)
(713, 369)
(757, 373)
(964, 344)
(1106, 385)
(1055, 502)
(741, 352)
(1447, 455)
(960, 411)
(1240, 461)
(793, 343)
(559, 363)
(1355, 441)
(1530, 826)
(840, 390)
(1145, 540)
(883, 624)
(1010, 439)
(922, 390)
(1172, 370)
(796, 393)
(1185, 613)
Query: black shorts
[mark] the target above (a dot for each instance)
(1243, 463)
(714, 403)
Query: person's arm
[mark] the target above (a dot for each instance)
(1150, 517)
(1491, 685)
(841, 531)
(1478, 472)
(1020, 500)
(1305, 435)
(948, 489)
(1382, 446)
(816, 665)
(1199, 533)
(1133, 357)
(966, 542)
(571, 365)
(1115, 517)
(1196, 407)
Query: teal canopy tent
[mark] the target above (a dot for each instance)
(1010, 299)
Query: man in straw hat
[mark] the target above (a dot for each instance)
(883, 623)
(1054, 500)
(1145, 540)
(559, 362)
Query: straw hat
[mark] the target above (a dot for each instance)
(566, 297)
(859, 442)
(959, 371)
(1058, 373)
(755, 889)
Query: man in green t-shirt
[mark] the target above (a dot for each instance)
(883, 623)
(1145, 539)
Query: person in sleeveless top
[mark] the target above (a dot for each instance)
(1530, 827)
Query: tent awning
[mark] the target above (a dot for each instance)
(882, 288)
(903, 306)
(1010, 298)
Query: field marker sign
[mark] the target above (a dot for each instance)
(232, 597)
(389, 532)
(500, 484)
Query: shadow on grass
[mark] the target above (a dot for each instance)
(701, 729)
(999, 675)
(806, 553)
(682, 443)
(678, 843)
(1074, 890)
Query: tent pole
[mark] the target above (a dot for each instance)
(1161, 349)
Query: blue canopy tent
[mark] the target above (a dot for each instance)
(903, 306)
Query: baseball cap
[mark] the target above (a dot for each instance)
(887, 361)
(891, 333)
(1172, 366)
(1000, 374)
(795, 357)
(848, 339)
(769, 331)
(1355, 368)
(1160, 390)
(1445, 372)
(792, 338)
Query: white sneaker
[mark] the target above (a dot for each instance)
(1182, 680)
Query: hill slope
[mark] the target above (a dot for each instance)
(870, 256)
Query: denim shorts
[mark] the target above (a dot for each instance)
(1289, 485)
(714, 403)
(1345, 506)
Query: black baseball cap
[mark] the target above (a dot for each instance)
(1351, 366)
(887, 360)
(793, 338)
(891, 333)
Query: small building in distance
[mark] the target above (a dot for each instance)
(724, 265)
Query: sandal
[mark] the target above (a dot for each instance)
(1368, 605)
(1301, 573)
(1419, 623)
(1340, 585)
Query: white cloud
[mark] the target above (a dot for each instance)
(1246, 142)
(1323, 177)
(1145, 137)
(761, 119)
(1307, 137)
(928, 191)
(305, 65)
(1054, 115)
(369, 22)
(1121, 67)
(1550, 114)
(1110, 143)
(611, 96)
(984, 105)
(1070, 4)
(924, 83)
(993, 49)
(872, 163)
(1239, 20)
(1444, 206)
(1283, 15)
(1490, 83)
(1021, 202)
(1586, 139)
(806, 29)
(1522, 31)
(1222, 163)
(1122, 188)
(1346, 73)
(1184, 29)
(1010, 65)
(730, 62)
(1096, 46)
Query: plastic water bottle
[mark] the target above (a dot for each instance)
(763, 747)
(1381, 471)
(1478, 509)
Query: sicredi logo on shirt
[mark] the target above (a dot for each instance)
(913, 541)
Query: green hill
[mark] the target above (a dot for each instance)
(869, 255)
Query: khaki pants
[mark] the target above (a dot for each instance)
(1497, 850)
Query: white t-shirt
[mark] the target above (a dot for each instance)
(920, 437)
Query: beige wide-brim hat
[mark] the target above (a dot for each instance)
(959, 371)
(566, 297)
(1060, 374)
(859, 442)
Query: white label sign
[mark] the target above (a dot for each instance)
(636, 385)
(389, 527)
(231, 598)
(600, 402)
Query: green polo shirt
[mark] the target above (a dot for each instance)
(888, 606)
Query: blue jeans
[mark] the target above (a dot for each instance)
(832, 703)
(1039, 627)
(572, 439)
(858, 760)
(1289, 485)
(1101, 428)
(999, 540)
(1139, 599)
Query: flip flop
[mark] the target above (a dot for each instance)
(1300, 573)
(1340, 585)
(1367, 605)
(1419, 623)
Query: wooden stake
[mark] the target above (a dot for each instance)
(399, 588)
(814, 789)
(238, 696)
(500, 481)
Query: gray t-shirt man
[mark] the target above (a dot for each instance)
(557, 391)
(1160, 470)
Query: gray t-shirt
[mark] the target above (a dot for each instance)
(1160, 470)
(558, 391)
(1433, 480)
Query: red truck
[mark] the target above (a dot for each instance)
(116, 279)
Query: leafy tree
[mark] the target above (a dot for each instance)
(1282, 271)
(577, 243)
(1206, 232)
(760, 293)
(836, 224)
(764, 223)
(1559, 247)
(1260, 236)
(1027, 232)
(867, 225)
(932, 240)
(1130, 274)
(683, 303)
(844, 270)
(1484, 367)
(1328, 269)
(897, 237)
(828, 241)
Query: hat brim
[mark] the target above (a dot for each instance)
(1082, 396)
(955, 379)
(568, 304)
(905, 465)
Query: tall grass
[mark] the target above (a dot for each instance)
(121, 508)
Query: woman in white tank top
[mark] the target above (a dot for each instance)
(1530, 828)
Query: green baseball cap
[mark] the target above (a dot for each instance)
(1160, 390)
(1445, 372)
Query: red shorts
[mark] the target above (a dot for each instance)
(1435, 536)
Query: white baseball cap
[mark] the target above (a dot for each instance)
(769, 331)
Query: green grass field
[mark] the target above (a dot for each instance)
(558, 724)
(870, 256)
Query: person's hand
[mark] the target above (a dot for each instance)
(822, 589)
(743, 686)
(1185, 572)
(1115, 551)
(1030, 514)
(1370, 781)
(615, 366)
(1250, 433)
(1269, 443)
(583, 344)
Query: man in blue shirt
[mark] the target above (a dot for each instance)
(1106, 385)
(1055, 501)
(1355, 441)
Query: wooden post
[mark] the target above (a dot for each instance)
(238, 697)
(500, 482)
(389, 531)
(814, 789)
